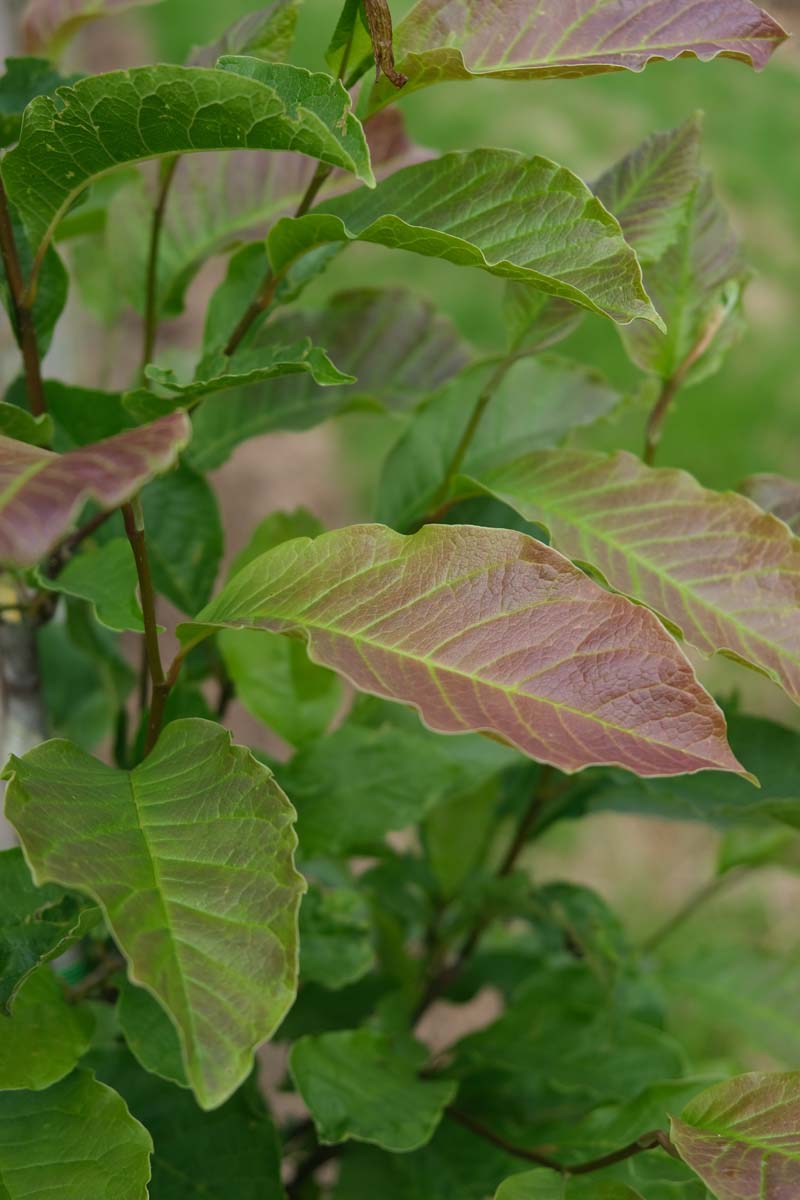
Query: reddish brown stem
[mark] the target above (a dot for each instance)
(21, 308)
(151, 282)
(134, 528)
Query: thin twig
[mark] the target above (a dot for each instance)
(96, 978)
(134, 528)
(22, 311)
(150, 328)
(502, 1143)
(317, 1158)
(696, 901)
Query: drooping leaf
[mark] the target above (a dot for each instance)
(741, 1137)
(194, 873)
(524, 219)
(335, 937)
(37, 923)
(394, 343)
(777, 495)
(583, 676)
(231, 1152)
(365, 1085)
(538, 403)
(123, 117)
(697, 287)
(106, 576)
(464, 39)
(266, 33)
(20, 425)
(76, 1138)
(547, 1185)
(47, 25)
(184, 536)
(24, 79)
(44, 1038)
(41, 493)
(726, 574)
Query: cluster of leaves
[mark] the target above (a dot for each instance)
(520, 592)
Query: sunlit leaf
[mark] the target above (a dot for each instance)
(194, 872)
(365, 1085)
(726, 574)
(741, 1137)
(335, 937)
(548, 1185)
(583, 676)
(45, 1036)
(41, 493)
(463, 39)
(776, 495)
(76, 1138)
(106, 576)
(524, 219)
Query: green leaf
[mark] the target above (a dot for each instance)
(350, 44)
(721, 571)
(547, 1185)
(19, 424)
(184, 536)
(51, 292)
(47, 25)
(395, 344)
(36, 923)
(84, 681)
(536, 321)
(45, 1037)
(83, 416)
(278, 527)
(456, 836)
(41, 493)
(335, 937)
(464, 39)
(74, 1139)
(741, 1137)
(197, 851)
(418, 620)
(266, 33)
(106, 576)
(231, 1152)
(537, 404)
(151, 1037)
(107, 121)
(365, 1085)
(524, 219)
(24, 79)
(777, 495)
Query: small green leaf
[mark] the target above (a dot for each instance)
(741, 1137)
(19, 424)
(184, 536)
(335, 937)
(106, 576)
(365, 1085)
(456, 836)
(197, 847)
(44, 1038)
(36, 923)
(77, 1138)
(350, 46)
(547, 1185)
(151, 1037)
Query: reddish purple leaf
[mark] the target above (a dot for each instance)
(41, 493)
(485, 630)
(777, 495)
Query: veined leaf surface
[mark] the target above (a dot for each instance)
(742, 1139)
(485, 630)
(725, 573)
(190, 855)
(519, 218)
(462, 39)
(41, 493)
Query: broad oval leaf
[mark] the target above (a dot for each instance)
(725, 573)
(462, 39)
(485, 630)
(41, 493)
(525, 219)
(742, 1139)
(549, 1185)
(777, 495)
(106, 121)
(76, 1138)
(190, 855)
(44, 1038)
(365, 1085)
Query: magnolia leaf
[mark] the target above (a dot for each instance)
(24, 79)
(697, 288)
(266, 33)
(584, 677)
(41, 493)
(106, 576)
(184, 536)
(741, 1137)
(335, 937)
(47, 25)
(537, 404)
(196, 852)
(37, 923)
(724, 573)
(151, 1037)
(365, 1085)
(395, 344)
(22, 426)
(230, 1153)
(519, 218)
(107, 121)
(546, 1185)
(77, 1138)
(464, 39)
(45, 1037)
(777, 495)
